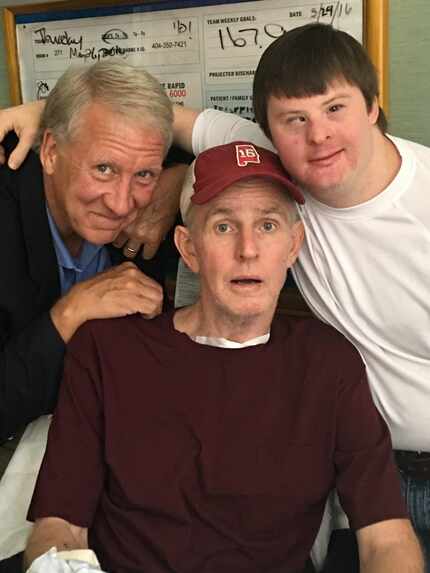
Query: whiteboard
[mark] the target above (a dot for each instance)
(204, 53)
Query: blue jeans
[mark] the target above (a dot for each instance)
(417, 495)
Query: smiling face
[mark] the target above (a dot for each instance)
(96, 182)
(326, 141)
(242, 243)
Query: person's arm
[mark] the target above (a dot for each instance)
(154, 222)
(54, 532)
(184, 120)
(119, 291)
(24, 120)
(72, 476)
(367, 479)
(389, 546)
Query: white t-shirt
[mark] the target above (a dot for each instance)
(366, 271)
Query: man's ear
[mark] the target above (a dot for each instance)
(297, 236)
(374, 111)
(185, 245)
(48, 152)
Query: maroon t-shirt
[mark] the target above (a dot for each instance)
(186, 458)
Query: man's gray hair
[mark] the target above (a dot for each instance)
(128, 90)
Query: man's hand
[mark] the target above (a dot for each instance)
(53, 531)
(120, 291)
(24, 120)
(154, 222)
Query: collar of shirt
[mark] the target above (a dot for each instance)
(225, 343)
(92, 259)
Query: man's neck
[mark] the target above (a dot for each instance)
(71, 240)
(383, 168)
(195, 321)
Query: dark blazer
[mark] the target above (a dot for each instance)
(31, 350)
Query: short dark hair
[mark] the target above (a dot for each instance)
(305, 61)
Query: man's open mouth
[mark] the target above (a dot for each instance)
(246, 281)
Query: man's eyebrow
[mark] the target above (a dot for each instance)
(324, 103)
(273, 209)
(335, 97)
(156, 170)
(219, 211)
(228, 212)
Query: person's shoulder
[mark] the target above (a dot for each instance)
(418, 149)
(320, 341)
(310, 326)
(228, 127)
(101, 345)
(106, 333)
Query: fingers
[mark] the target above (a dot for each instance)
(128, 242)
(120, 241)
(22, 149)
(152, 308)
(139, 292)
(148, 229)
(19, 153)
(121, 291)
(131, 249)
(5, 124)
(24, 120)
(150, 249)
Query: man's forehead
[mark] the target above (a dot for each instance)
(336, 87)
(112, 134)
(98, 117)
(259, 195)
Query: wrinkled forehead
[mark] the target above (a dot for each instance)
(97, 116)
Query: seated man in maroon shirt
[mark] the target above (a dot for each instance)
(208, 439)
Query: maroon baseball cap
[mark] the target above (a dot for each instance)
(219, 167)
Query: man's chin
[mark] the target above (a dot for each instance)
(325, 191)
(101, 236)
(250, 312)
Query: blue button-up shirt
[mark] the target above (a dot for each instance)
(92, 259)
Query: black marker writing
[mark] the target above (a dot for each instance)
(114, 34)
(61, 39)
(97, 54)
